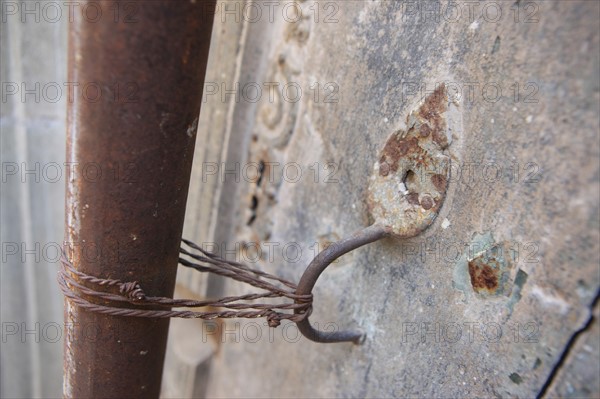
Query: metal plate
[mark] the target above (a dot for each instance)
(409, 182)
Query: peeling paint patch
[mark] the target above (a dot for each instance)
(460, 278)
(484, 275)
(489, 271)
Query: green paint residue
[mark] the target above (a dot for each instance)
(515, 297)
(516, 378)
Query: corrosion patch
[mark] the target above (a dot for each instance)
(411, 176)
(490, 271)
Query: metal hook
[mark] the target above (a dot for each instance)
(396, 208)
(318, 265)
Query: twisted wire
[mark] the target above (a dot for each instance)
(129, 299)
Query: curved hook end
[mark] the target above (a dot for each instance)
(357, 337)
(318, 265)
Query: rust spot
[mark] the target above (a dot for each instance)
(402, 148)
(434, 105)
(427, 202)
(490, 271)
(431, 110)
(484, 276)
(439, 136)
(437, 99)
(412, 198)
(413, 144)
(396, 148)
(384, 169)
(439, 182)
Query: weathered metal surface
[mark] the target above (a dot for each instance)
(139, 137)
(490, 271)
(410, 178)
(524, 171)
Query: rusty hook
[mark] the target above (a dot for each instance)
(318, 265)
(397, 209)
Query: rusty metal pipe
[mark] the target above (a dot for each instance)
(136, 73)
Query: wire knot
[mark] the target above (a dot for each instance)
(273, 319)
(132, 290)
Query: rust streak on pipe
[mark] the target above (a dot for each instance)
(138, 71)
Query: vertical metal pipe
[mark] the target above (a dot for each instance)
(136, 73)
